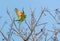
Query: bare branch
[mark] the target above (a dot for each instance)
(42, 24)
(4, 24)
(28, 25)
(51, 15)
(33, 20)
(4, 36)
(10, 31)
(49, 38)
(40, 35)
(11, 18)
(41, 30)
(35, 25)
(2, 32)
(19, 32)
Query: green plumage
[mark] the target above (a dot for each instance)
(21, 15)
(22, 18)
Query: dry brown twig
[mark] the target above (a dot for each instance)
(41, 33)
(41, 30)
(55, 33)
(3, 25)
(34, 24)
(51, 14)
(5, 38)
(2, 32)
(19, 32)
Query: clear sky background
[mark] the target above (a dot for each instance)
(27, 4)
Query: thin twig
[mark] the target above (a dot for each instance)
(4, 24)
(40, 35)
(19, 32)
(10, 32)
(28, 25)
(2, 32)
(4, 36)
(35, 25)
(49, 38)
(51, 15)
(11, 18)
(41, 30)
(42, 24)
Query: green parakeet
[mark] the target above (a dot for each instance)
(21, 15)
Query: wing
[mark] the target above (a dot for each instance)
(18, 12)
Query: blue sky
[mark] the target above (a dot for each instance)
(27, 4)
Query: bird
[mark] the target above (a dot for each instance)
(21, 15)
